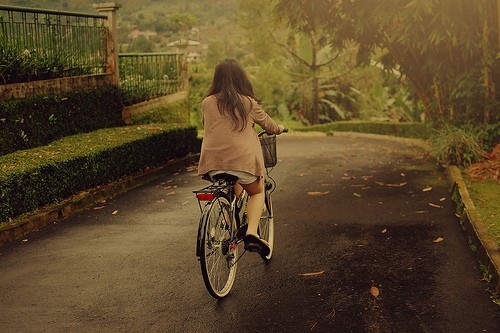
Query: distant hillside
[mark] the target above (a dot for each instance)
(205, 11)
(216, 20)
(67, 5)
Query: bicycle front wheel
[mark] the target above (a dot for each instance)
(266, 225)
(218, 250)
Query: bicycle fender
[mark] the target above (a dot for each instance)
(201, 231)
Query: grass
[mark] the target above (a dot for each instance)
(175, 113)
(408, 130)
(486, 196)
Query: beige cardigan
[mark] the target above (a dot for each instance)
(227, 148)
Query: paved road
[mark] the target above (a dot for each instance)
(355, 211)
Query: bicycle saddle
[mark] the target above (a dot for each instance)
(226, 177)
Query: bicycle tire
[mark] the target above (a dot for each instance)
(266, 225)
(218, 251)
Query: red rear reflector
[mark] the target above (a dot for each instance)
(205, 196)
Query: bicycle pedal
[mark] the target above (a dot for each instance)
(253, 248)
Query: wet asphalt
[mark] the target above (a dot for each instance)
(366, 241)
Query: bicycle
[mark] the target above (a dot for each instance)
(223, 223)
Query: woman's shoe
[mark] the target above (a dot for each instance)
(254, 243)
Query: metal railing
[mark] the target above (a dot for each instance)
(37, 44)
(145, 76)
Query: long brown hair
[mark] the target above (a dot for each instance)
(229, 84)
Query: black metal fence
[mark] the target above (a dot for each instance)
(144, 76)
(37, 44)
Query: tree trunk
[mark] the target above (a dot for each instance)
(486, 70)
(498, 21)
(315, 101)
(315, 83)
(418, 85)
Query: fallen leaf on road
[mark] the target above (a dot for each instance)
(374, 291)
(384, 231)
(438, 240)
(311, 274)
(366, 177)
(168, 187)
(427, 189)
(114, 212)
(391, 185)
(170, 193)
(402, 174)
(318, 193)
(99, 207)
(303, 174)
(434, 205)
(442, 199)
(421, 211)
(162, 200)
(357, 195)
(184, 203)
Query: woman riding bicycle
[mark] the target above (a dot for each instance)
(230, 143)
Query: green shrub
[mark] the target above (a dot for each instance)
(44, 175)
(177, 113)
(37, 121)
(456, 146)
(409, 130)
(489, 135)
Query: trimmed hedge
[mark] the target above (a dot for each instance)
(36, 121)
(32, 178)
(408, 130)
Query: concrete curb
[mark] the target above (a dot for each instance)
(487, 249)
(84, 200)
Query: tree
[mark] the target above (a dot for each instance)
(141, 44)
(307, 19)
(442, 47)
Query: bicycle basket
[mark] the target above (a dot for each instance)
(268, 143)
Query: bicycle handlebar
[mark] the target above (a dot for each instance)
(285, 130)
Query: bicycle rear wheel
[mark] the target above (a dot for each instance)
(266, 225)
(218, 251)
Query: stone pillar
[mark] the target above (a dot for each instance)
(182, 49)
(110, 10)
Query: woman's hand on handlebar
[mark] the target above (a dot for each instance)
(283, 129)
